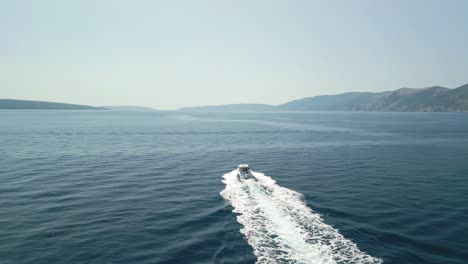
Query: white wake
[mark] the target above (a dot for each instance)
(282, 229)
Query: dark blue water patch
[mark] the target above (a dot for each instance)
(95, 187)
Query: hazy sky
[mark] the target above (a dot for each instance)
(168, 54)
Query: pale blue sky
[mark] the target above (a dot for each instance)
(168, 54)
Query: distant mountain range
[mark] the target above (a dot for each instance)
(429, 99)
(26, 104)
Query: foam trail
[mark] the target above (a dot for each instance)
(282, 229)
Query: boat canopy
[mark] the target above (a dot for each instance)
(244, 168)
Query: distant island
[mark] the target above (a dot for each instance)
(429, 99)
(129, 108)
(26, 104)
(230, 107)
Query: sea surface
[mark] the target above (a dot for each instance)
(159, 187)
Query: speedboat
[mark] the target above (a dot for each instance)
(243, 172)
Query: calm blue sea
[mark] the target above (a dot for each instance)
(158, 187)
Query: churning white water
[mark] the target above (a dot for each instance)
(282, 229)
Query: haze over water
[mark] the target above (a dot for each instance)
(144, 187)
